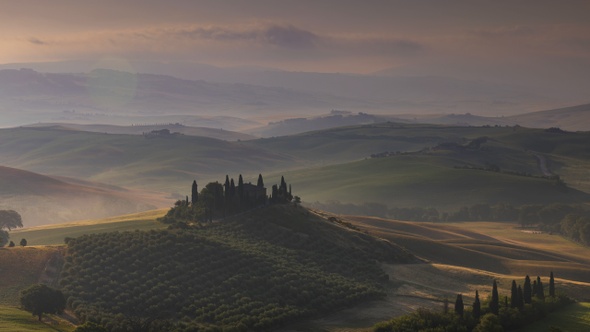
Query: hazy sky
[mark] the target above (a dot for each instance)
(537, 39)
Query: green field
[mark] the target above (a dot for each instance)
(55, 234)
(573, 318)
(423, 180)
(16, 320)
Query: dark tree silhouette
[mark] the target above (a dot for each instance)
(241, 188)
(520, 302)
(535, 288)
(513, 295)
(527, 291)
(40, 299)
(10, 219)
(495, 301)
(194, 193)
(551, 285)
(11, 244)
(23, 242)
(476, 306)
(459, 305)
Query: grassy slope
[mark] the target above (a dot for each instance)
(422, 180)
(20, 268)
(16, 320)
(497, 248)
(55, 234)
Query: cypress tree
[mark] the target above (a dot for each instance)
(260, 183)
(506, 301)
(535, 290)
(194, 193)
(476, 306)
(513, 295)
(527, 291)
(520, 302)
(241, 187)
(459, 305)
(495, 301)
(551, 285)
(540, 291)
(226, 187)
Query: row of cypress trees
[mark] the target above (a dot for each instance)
(519, 296)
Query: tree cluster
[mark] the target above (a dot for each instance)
(218, 200)
(526, 304)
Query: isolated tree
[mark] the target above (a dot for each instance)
(459, 308)
(527, 291)
(540, 291)
(23, 242)
(40, 299)
(495, 301)
(476, 306)
(551, 285)
(513, 295)
(194, 193)
(10, 219)
(11, 244)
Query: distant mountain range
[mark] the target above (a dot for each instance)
(52, 91)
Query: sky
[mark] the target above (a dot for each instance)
(522, 41)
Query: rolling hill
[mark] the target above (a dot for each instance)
(390, 163)
(259, 270)
(42, 199)
(224, 135)
(163, 163)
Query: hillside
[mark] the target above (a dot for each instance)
(21, 267)
(158, 163)
(41, 199)
(455, 166)
(259, 270)
(55, 234)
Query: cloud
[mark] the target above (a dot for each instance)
(506, 31)
(290, 37)
(285, 36)
(36, 41)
